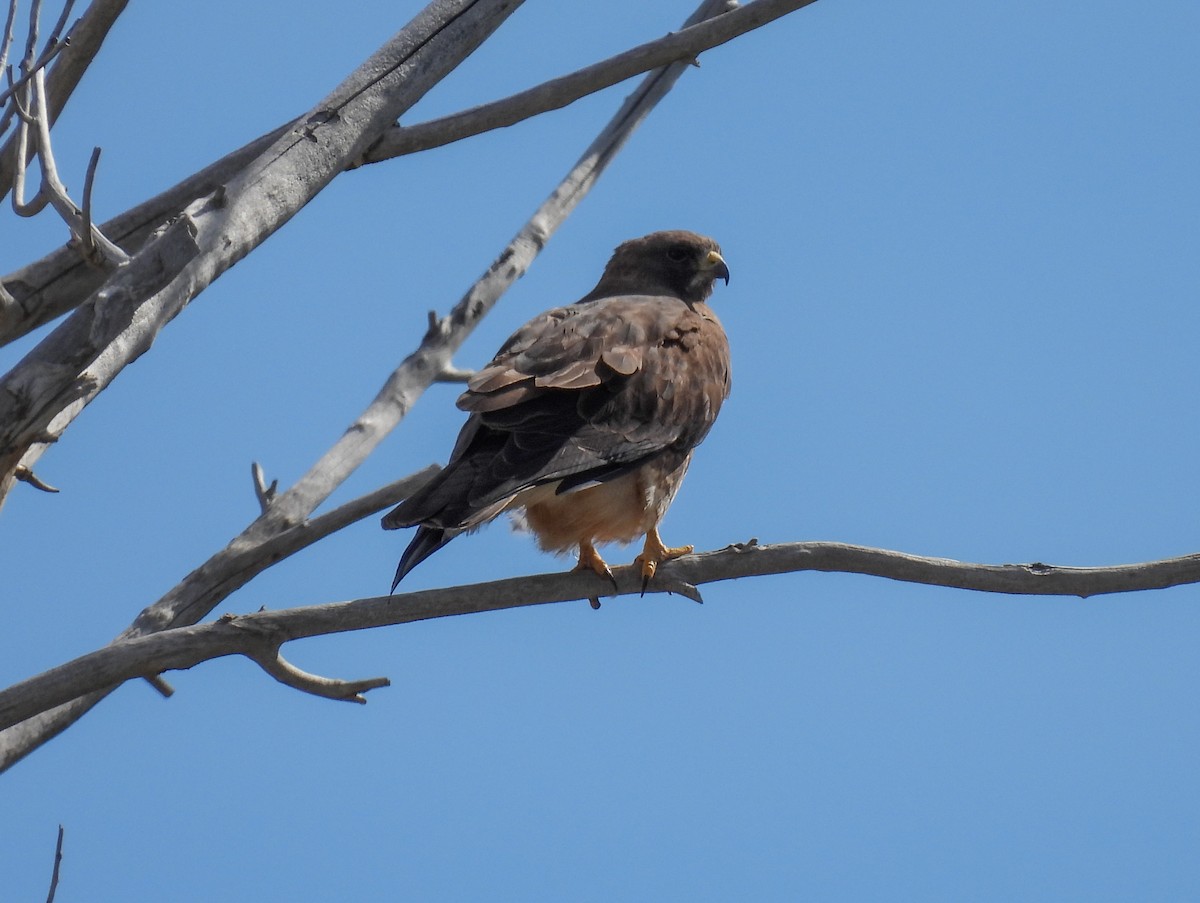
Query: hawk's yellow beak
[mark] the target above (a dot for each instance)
(717, 264)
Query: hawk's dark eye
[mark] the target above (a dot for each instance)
(679, 252)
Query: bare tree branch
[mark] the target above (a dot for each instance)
(59, 282)
(684, 45)
(52, 50)
(58, 847)
(42, 395)
(6, 40)
(70, 367)
(86, 37)
(257, 547)
(264, 493)
(231, 568)
(250, 635)
(25, 475)
(96, 248)
(288, 674)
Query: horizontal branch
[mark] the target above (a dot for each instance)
(249, 635)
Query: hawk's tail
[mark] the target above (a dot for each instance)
(427, 541)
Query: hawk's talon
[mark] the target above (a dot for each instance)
(590, 560)
(654, 554)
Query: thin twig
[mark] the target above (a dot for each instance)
(453, 374)
(35, 15)
(58, 847)
(74, 54)
(6, 41)
(328, 688)
(96, 248)
(88, 241)
(52, 40)
(52, 50)
(25, 118)
(25, 475)
(110, 255)
(264, 493)
(164, 689)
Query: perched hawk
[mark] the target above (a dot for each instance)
(588, 415)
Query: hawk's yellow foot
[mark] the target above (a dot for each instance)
(590, 560)
(654, 553)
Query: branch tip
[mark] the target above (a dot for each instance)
(264, 493)
(453, 374)
(25, 475)
(58, 855)
(271, 661)
(161, 685)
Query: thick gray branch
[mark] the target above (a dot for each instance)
(74, 363)
(59, 282)
(250, 634)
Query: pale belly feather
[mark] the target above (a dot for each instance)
(620, 510)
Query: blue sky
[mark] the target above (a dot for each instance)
(963, 310)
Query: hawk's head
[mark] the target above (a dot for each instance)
(677, 263)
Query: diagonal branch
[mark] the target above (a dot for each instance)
(67, 370)
(256, 634)
(228, 570)
(716, 27)
(58, 282)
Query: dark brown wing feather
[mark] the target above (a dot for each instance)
(580, 394)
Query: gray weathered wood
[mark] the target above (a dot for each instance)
(58, 282)
(254, 635)
(59, 377)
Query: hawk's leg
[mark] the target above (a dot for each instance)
(655, 553)
(590, 560)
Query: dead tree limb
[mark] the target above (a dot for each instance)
(258, 636)
(72, 61)
(68, 369)
(696, 36)
(59, 282)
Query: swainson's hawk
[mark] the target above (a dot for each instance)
(588, 415)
